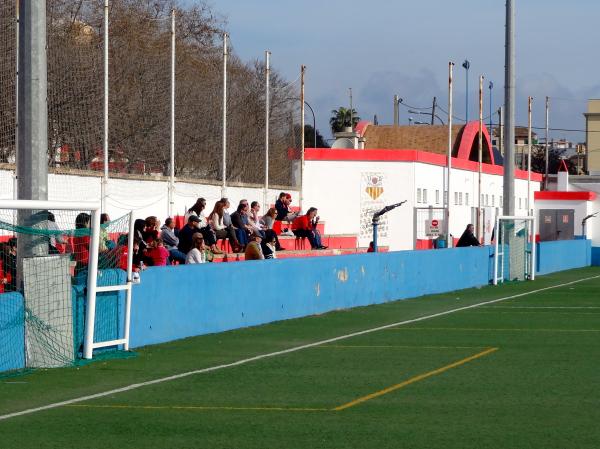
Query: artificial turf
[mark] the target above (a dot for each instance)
(535, 381)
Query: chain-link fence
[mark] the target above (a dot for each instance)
(139, 73)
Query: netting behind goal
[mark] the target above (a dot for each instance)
(45, 263)
(515, 249)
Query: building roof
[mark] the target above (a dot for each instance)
(520, 132)
(431, 138)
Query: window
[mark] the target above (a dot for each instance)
(460, 198)
(445, 197)
(493, 200)
(487, 200)
(425, 195)
(519, 203)
(418, 195)
(455, 198)
(481, 201)
(437, 197)
(466, 198)
(500, 200)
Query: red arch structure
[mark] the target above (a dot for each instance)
(468, 139)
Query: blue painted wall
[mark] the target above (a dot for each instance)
(12, 332)
(596, 256)
(177, 302)
(563, 255)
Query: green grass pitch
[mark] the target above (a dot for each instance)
(519, 373)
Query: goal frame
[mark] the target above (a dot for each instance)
(92, 281)
(532, 224)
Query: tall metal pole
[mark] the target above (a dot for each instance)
(490, 86)
(546, 145)
(16, 172)
(32, 137)
(351, 109)
(433, 110)
(449, 241)
(104, 187)
(302, 73)
(509, 113)
(480, 157)
(172, 174)
(224, 151)
(529, 209)
(501, 130)
(267, 115)
(467, 66)
(396, 111)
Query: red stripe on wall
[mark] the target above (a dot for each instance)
(565, 196)
(371, 155)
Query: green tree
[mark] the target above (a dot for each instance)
(342, 118)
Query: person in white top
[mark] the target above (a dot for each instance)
(198, 253)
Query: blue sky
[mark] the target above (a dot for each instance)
(386, 47)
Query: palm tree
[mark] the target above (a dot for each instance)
(340, 119)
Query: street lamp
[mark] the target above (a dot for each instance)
(466, 64)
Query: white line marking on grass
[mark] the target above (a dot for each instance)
(541, 307)
(275, 354)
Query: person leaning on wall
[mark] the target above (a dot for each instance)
(468, 238)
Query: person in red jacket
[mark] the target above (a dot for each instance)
(306, 226)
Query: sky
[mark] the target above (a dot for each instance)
(380, 48)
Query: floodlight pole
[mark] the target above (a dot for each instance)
(32, 132)
(509, 113)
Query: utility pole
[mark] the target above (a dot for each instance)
(509, 101)
(433, 109)
(396, 111)
(501, 130)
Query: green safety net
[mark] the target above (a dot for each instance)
(44, 258)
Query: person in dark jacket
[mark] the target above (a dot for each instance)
(468, 238)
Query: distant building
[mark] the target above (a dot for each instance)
(521, 144)
(592, 127)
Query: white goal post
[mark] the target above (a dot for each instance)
(515, 248)
(94, 208)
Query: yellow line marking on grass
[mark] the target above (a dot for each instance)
(412, 380)
(397, 347)
(476, 329)
(199, 408)
(529, 312)
(256, 358)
